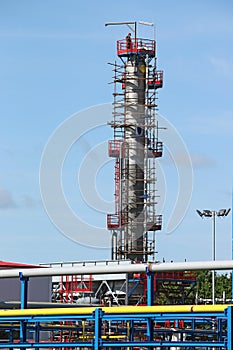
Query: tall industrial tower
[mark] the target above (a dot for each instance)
(135, 147)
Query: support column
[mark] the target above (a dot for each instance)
(130, 332)
(214, 254)
(150, 330)
(37, 333)
(24, 290)
(98, 313)
(23, 297)
(150, 287)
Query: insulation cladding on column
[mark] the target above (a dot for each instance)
(135, 147)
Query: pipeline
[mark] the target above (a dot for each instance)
(120, 268)
(116, 310)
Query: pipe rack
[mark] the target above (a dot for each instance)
(136, 326)
(120, 268)
(148, 268)
(97, 328)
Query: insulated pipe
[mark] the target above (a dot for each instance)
(192, 266)
(134, 137)
(115, 310)
(121, 268)
(74, 270)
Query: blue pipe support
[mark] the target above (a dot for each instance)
(130, 332)
(150, 287)
(24, 290)
(150, 330)
(24, 300)
(97, 342)
(120, 344)
(142, 332)
(11, 336)
(37, 333)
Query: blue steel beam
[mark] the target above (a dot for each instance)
(37, 333)
(150, 287)
(46, 345)
(149, 344)
(187, 317)
(24, 300)
(24, 290)
(98, 313)
(140, 323)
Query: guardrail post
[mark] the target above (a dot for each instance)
(97, 342)
(150, 287)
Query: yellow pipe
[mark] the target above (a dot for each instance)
(211, 308)
(148, 309)
(115, 310)
(83, 329)
(48, 312)
(103, 337)
(166, 309)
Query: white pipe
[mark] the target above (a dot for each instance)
(192, 266)
(115, 269)
(74, 270)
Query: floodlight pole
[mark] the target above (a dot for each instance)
(213, 252)
(232, 250)
(213, 214)
(129, 23)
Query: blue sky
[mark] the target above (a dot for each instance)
(54, 63)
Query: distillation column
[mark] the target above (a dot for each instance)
(135, 148)
(134, 141)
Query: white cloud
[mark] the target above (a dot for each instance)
(202, 161)
(199, 160)
(6, 199)
(30, 202)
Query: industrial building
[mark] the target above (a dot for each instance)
(39, 290)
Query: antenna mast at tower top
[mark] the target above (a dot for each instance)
(135, 147)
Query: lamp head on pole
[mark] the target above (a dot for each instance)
(199, 213)
(206, 212)
(209, 213)
(223, 212)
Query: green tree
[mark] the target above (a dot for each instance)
(203, 287)
(171, 293)
(223, 284)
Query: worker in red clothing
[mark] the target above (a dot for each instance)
(128, 41)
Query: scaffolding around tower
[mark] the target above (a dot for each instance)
(136, 147)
